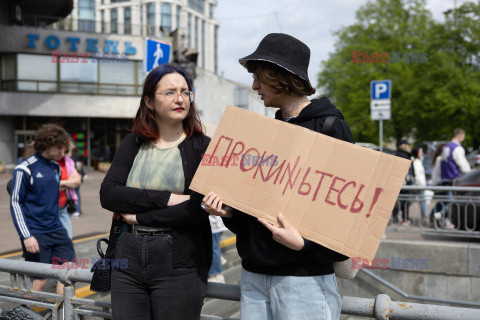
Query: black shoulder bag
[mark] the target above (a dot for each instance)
(102, 269)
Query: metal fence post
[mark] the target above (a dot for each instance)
(382, 307)
(68, 292)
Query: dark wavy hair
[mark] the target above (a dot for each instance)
(283, 81)
(144, 124)
(50, 135)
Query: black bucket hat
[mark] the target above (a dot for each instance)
(285, 51)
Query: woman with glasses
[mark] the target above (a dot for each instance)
(285, 276)
(165, 247)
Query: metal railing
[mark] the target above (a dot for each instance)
(448, 210)
(20, 291)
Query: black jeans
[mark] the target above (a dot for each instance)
(149, 287)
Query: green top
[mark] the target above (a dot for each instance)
(156, 169)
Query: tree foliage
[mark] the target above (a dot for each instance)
(429, 99)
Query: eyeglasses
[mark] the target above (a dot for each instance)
(173, 95)
(254, 76)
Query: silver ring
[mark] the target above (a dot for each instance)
(204, 207)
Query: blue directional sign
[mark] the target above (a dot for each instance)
(156, 53)
(380, 89)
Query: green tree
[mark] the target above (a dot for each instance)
(428, 99)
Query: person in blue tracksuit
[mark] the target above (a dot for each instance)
(34, 203)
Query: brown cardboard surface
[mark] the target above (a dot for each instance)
(337, 194)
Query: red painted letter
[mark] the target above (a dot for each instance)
(332, 189)
(340, 204)
(359, 208)
(242, 166)
(303, 183)
(320, 182)
(290, 173)
(235, 154)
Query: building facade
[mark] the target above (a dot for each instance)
(89, 81)
(192, 21)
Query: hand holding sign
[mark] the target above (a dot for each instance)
(214, 205)
(285, 233)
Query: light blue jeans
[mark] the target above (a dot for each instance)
(216, 267)
(289, 298)
(66, 220)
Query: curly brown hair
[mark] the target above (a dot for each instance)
(283, 81)
(50, 135)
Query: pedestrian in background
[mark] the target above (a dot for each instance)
(441, 207)
(34, 203)
(166, 236)
(285, 276)
(78, 159)
(215, 274)
(69, 181)
(403, 206)
(453, 163)
(420, 181)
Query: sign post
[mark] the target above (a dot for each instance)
(380, 102)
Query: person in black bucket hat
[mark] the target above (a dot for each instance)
(285, 276)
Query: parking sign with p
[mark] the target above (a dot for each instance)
(380, 89)
(380, 92)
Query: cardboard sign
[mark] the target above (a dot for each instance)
(335, 193)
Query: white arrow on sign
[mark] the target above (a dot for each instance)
(384, 103)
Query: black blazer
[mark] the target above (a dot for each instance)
(192, 236)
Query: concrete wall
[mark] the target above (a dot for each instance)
(453, 271)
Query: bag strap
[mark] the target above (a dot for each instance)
(327, 125)
(99, 247)
(115, 230)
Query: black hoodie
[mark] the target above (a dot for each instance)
(259, 252)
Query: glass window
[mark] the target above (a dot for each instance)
(215, 50)
(117, 72)
(197, 5)
(140, 74)
(203, 43)
(79, 72)
(113, 21)
(189, 30)
(8, 67)
(27, 86)
(210, 10)
(102, 27)
(196, 33)
(166, 18)
(36, 67)
(177, 20)
(86, 15)
(240, 97)
(151, 19)
(116, 89)
(127, 18)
